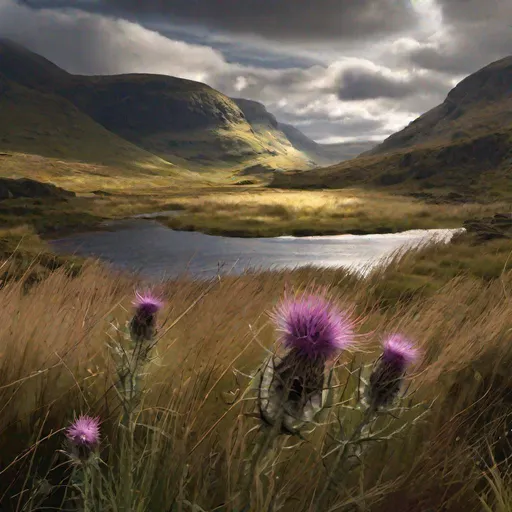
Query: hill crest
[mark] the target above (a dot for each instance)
(479, 103)
(179, 120)
(463, 145)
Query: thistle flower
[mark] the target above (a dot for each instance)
(293, 388)
(142, 325)
(312, 327)
(387, 376)
(84, 435)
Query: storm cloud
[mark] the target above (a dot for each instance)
(296, 20)
(363, 83)
(335, 68)
(475, 11)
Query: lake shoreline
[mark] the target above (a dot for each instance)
(167, 220)
(152, 248)
(299, 233)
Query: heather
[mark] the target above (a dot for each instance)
(402, 404)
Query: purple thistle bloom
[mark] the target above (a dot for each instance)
(293, 387)
(142, 325)
(399, 350)
(84, 432)
(147, 304)
(387, 377)
(311, 326)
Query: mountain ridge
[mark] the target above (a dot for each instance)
(454, 116)
(464, 144)
(178, 120)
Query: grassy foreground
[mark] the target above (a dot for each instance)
(191, 436)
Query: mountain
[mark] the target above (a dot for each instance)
(341, 151)
(257, 114)
(478, 105)
(324, 154)
(176, 120)
(28, 68)
(463, 145)
(290, 137)
(40, 123)
(320, 154)
(266, 128)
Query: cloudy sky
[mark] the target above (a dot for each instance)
(337, 69)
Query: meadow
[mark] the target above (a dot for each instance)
(256, 212)
(193, 435)
(215, 202)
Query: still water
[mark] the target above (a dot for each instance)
(148, 247)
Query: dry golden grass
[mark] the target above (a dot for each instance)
(53, 363)
(257, 212)
(80, 176)
(211, 203)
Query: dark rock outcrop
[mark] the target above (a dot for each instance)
(25, 187)
(490, 228)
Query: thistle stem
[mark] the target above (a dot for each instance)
(343, 453)
(86, 488)
(130, 466)
(263, 447)
(131, 395)
(76, 480)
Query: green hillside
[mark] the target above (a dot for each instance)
(463, 145)
(44, 124)
(181, 121)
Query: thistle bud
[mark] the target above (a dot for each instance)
(388, 374)
(143, 322)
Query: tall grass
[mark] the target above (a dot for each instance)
(193, 426)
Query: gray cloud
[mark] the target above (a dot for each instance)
(295, 20)
(480, 11)
(362, 84)
(475, 33)
(465, 51)
(357, 83)
(85, 43)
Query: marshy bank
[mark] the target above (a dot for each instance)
(230, 211)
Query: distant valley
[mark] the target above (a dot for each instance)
(147, 123)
